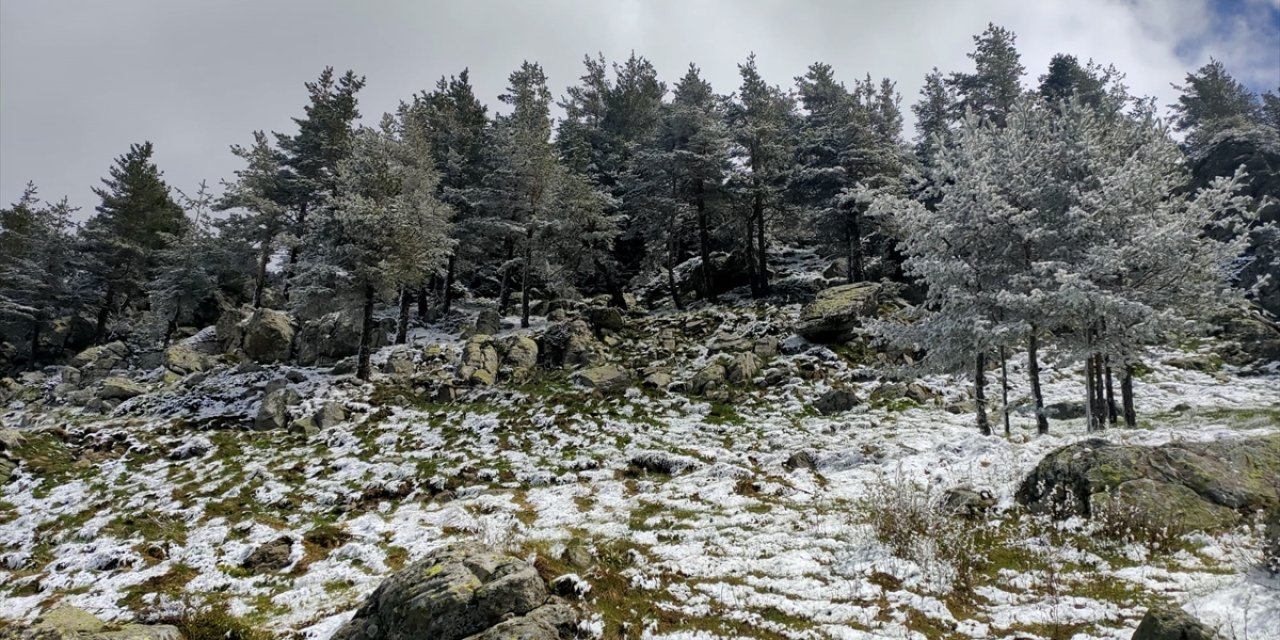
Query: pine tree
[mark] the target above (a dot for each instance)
(35, 254)
(385, 231)
(760, 120)
(185, 276)
(311, 156)
(996, 82)
(1210, 101)
(258, 189)
(135, 221)
(934, 115)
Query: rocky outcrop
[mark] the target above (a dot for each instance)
(273, 413)
(838, 312)
(605, 319)
(268, 336)
(521, 357)
(835, 401)
(1171, 623)
(97, 362)
(571, 344)
(463, 591)
(1199, 485)
(479, 363)
(118, 388)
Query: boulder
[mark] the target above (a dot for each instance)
(1164, 622)
(65, 622)
(835, 401)
(521, 356)
(488, 323)
(118, 388)
(463, 590)
(479, 365)
(743, 367)
(96, 362)
(1196, 483)
(710, 378)
(570, 343)
(801, 460)
(273, 412)
(605, 318)
(230, 327)
(661, 462)
(330, 414)
(658, 380)
(271, 556)
(968, 501)
(609, 377)
(185, 357)
(837, 313)
(399, 363)
(332, 337)
(268, 336)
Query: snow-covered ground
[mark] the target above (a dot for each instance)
(733, 545)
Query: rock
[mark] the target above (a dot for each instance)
(273, 412)
(521, 357)
(1271, 541)
(1186, 479)
(578, 556)
(268, 336)
(330, 414)
(96, 362)
(801, 460)
(11, 439)
(661, 462)
(766, 348)
(305, 426)
(333, 337)
(570, 344)
(967, 501)
(1067, 410)
(1196, 362)
(345, 367)
(605, 318)
(457, 592)
(488, 323)
(609, 377)
(658, 380)
(837, 312)
(835, 401)
(479, 364)
(271, 556)
(119, 388)
(1171, 623)
(744, 367)
(183, 358)
(1146, 503)
(710, 378)
(231, 326)
(399, 363)
(67, 618)
(553, 621)
(570, 585)
(193, 448)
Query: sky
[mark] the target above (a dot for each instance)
(80, 80)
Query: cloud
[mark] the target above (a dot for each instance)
(82, 80)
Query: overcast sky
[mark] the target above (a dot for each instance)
(81, 80)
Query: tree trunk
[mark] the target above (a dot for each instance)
(402, 324)
(1033, 371)
(447, 296)
(750, 258)
(1004, 389)
(104, 314)
(671, 276)
(170, 327)
(260, 277)
(856, 263)
(1099, 395)
(1126, 396)
(1111, 394)
(704, 244)
(980, 392)
(35, 341)
(1090, 402)
(524, 280)
(424, 308)
(366, 335)
(849, 276)
(763, 255)
(293, 251)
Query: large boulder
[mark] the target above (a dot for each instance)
(119, 388)
(332, 337)
(837, 313)
(194, 354)
(479, 361)
(570, 343)
(462, 591)
(1171, 623)
(521, 356)
(1201, 484)
(605, 318)
(488, 323)
(273, 412)
(65, 622)
(609, 377)
(98, 361)
(230, 327)
(268, 336)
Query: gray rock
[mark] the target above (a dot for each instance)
(605, 318)
(271, 556)
(521, 356)
(333, 337)
(479, 365)
(399, 363)
(968, 501)
(330, 414)
(661, 462)
(488, 323)
(66, 622)
(837, 313)
(96, 362)
(1271, 541)
(1171, 623)
(835, 401)
(708, 379)
(268, 336)
(119, 388)
(456, 592)
(744, 367)
(658, 380)
(273, 412)
(801, 460)
(1195, 483)
(609, 377)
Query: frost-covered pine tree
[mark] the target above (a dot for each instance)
(35, 254)
(385, 230)
(183, 277)
(259, 191)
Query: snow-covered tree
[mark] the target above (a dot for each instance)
(996, 82)
(385, 230)
(258, 190)
(184, 277)
(36, 245)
